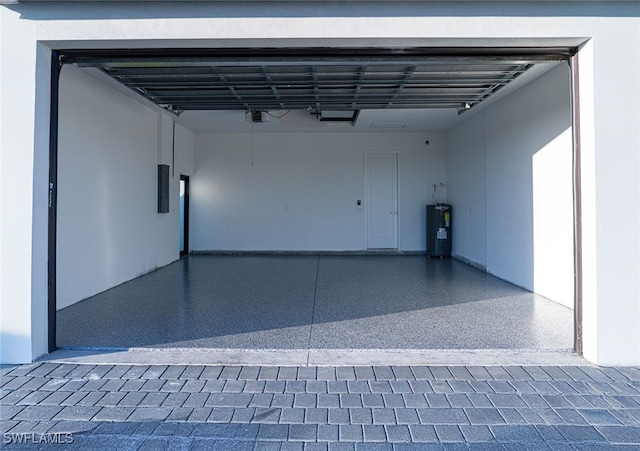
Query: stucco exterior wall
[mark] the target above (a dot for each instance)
(610, 74)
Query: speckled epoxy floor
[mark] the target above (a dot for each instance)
(316, 302)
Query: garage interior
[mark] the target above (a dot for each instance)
(286, 248)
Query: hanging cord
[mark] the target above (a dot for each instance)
(433, 196)
(173, 151)
(252, 147)
(278, 117)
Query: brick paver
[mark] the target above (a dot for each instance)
(323, 408)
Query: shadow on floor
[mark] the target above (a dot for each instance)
(300, 302)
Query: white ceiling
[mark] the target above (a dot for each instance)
(405, 120)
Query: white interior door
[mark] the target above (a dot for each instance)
(381, 202)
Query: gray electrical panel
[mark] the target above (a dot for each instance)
(163, 188)
(439, 230)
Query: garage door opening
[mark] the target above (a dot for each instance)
(277, 146)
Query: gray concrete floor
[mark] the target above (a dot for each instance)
(316, 302)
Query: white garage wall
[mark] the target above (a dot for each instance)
(185, 153)
(466, 159)
(510, 182)
(300, 192)
(109, 230)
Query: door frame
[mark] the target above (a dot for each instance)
(185, 225)
(366, 198)
(574, 73)
(52, 241)
(55, 67)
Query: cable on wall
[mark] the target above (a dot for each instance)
(173, 151)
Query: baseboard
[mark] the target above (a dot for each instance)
(466, 261)
(306, 253)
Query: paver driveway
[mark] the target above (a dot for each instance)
(320, 408)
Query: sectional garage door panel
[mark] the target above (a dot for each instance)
(317, 79)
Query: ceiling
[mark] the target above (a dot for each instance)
(386, 89)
